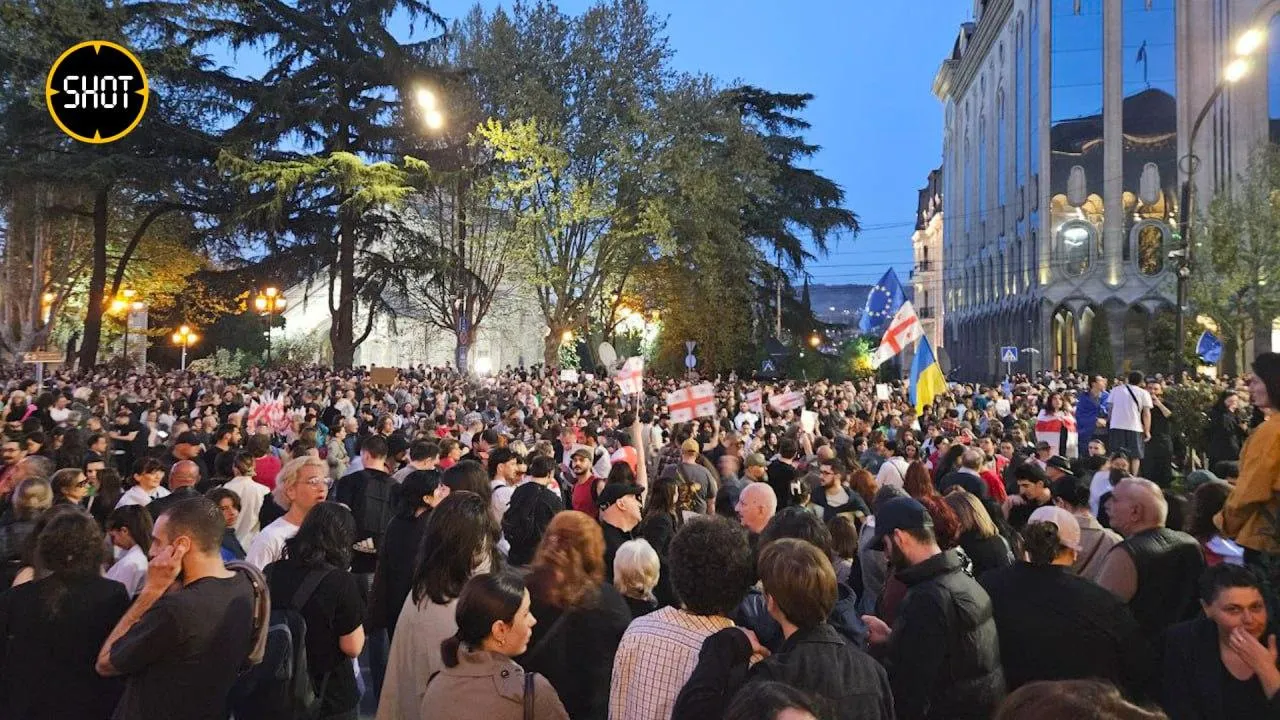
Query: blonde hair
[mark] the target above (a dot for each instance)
(32, 497)
(635, 569)
(971, 513)
(288, 477)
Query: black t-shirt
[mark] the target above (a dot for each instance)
(336, 608)
(183, 655)
(781, 477)
(47, 661)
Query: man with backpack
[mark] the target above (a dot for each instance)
(535, 501)
(181, 649)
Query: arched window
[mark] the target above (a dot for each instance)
(1074, 250)
(1002, 154)
(982, 168)
(1149, 239)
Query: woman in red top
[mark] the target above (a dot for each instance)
(265, 464)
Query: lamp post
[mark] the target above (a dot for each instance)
(185, 338)
(127, 303)
(269, 303)
(1246, 45)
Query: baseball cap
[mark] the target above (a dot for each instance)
(187, 438)
(756, 460)
(691, 445)
(900, 513)
(1068, 526)
(581, 452)
(1059, 462)
(613, 492)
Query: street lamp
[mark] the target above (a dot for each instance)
(429, 106)
(127, 303)
(815, 340)
(185, 338)
(269, 302)
(1246, 45)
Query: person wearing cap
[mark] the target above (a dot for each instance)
(1055, 625)
(755, 469)
(619, 506)
(943, 651)
(1095, 540)
(690, 473)
(586, 484)
(1058, 468)
(186, 446)
(1033, 493)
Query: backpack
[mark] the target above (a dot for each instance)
(279, 687)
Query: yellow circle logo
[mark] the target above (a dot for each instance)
(97, 92)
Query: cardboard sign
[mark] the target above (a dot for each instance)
(882, 391)
(809, 421)
(569, 375)
(383, 375)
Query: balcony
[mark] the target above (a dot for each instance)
(924, 266)
(924, 312)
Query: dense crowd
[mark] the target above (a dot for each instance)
(527, 546)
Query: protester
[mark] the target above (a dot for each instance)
(420, 493)
(461, 540)
(52, 628)
(229, 503)
(129, 529)
(70, 486)
(535, 501)
(251, 492)
(148, 473)
(30, 500)
(619, 507)
(1054, 625)
(833, 496)
(188, 632)
(756, 507)
(313, 579)
(479, 678)
(979, 537)
(771, 701)
(183, 477)
(636, 569)
(1095, 541)
(1130, 418)
(1072, 699)
(302, 485)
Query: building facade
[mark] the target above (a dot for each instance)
(1066, 142)
(927, 256)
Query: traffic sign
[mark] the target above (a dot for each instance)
(42, 356)
(1009, 354)
(767, 366)
(690, 361)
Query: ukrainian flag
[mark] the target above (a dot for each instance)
(927, 379)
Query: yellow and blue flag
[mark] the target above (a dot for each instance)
(927, 380)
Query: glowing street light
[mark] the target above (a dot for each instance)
(1250, 41)
(269, 301)
(815, 340)
(429, 106)
(1236, 70)
(566, 336)
(185, 338)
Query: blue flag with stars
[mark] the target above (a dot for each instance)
(882, 302)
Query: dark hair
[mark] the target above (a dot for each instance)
(541, 466)
(257, 445)
(1071, 700)
(484, 600)
(459, 530)
(798, 523)
(1071, 491)
(109, 486)
(787, 448)
(375, 445)
(417, 484)
(64, 480)
(711, 565)
(70, 544)
(620, 473)
(137, 520)
(1209, 499)
(498, 456)
(218, 494)
(423, 450)
(1041, 543)
(199, 519)
(800, 579)
(468, 476)
(325, 537)
(147, 465)
(1135, 378)
(664, 499)
(222, 431)
(767, 700)
(844, 537)
(1224, 577)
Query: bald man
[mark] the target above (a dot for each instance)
(183, 477)
(1155, 569)
(756, 507)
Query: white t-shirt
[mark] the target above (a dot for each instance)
(137, 496)
(893, 472)
(746, 417)
(130, 570)
(252, 496)
(502, 493)
(268, 546)
(1126, 414)
(1099, 486)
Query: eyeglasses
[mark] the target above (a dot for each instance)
(315, 482)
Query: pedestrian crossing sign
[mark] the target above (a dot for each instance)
(1009, 354)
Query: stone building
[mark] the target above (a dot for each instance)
(1066, 142)
(927, 257)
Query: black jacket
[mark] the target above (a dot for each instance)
(854, 506)
(842, 679)
(781, 476)
(1055, 625)
(986, 553)
(526, 519)
(944, 654)
(159, 505)
(1194, 677)
(753, 614)
(393, 578)
(577, 657)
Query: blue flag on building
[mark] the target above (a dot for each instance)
(1209, 347)
(882, 302)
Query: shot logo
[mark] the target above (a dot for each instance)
(97, 92)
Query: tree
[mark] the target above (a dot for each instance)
(331, 99)
(1098, 358)
(1235, 275)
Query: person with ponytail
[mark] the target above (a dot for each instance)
(480, 680)
(583, 616)
(1054, 624)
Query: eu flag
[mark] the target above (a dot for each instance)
(1209, 347)
(926, 380)
(882, 302)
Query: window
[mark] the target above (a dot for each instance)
(1075, 243)
(982, 169)
(1149, 241)
(1002, 155)
(1019, 114)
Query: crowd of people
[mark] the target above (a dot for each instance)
(287, 544)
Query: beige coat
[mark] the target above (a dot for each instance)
(490, 686)
(414, 656)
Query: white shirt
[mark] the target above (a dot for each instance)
(502, 493)
(252, 495)
(130, 570)
(268, 546)
(1099, 486)
(892, 472)
(746, 417)
(137, 496)
(1125, 413)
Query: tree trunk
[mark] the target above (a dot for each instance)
(342, 322)
(97, 282)
(551, 347)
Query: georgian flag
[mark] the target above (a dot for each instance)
(793, 400)
(903, 330)
(688, 403)
(631, 376)
(753, 400)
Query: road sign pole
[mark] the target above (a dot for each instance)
(40, 376)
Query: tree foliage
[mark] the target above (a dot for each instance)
(1098, 357)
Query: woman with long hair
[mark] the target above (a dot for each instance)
(314, 579)
(494, 622)
(979, 536)
(52, 628)
(69, 486)
(583, 616)
(661, 520)
(1226, 431)
(129, 529)
(30, 500)
(460, 541)
(1056, 425)
(420, 492)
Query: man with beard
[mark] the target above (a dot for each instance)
(943, 652)
(586, 485)
(833, 497)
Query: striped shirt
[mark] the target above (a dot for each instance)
(655, 658)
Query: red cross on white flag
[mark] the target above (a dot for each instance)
(688, 403)
(753, 401)
(787, 401)
(631, 376)
(903, 330)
